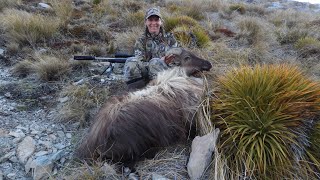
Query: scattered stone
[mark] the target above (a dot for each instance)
(25, 149)
(59, 146)
(201, 152)
(34, 132)
(8, 95)
(68, 135)
(60, 134)
(11, 176)
(133, 176)
(17, 134)
(3, 132)
(41, 153)
(14, 159)
(42, 166)
(44, 6)
(47, 144)
(1, 52)
(23, 128)
(158, 177)
(80, 82)
(52, 136)
(106, 168)
(6, 157)
(64, 99)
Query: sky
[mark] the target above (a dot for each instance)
(310, 1)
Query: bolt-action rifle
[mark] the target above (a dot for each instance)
(118, 58)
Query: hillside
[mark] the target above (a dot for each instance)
(48, 100)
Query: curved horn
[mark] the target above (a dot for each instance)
(176, 51)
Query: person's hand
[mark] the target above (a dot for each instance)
(168, 59)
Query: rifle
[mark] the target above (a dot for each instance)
(118, 58)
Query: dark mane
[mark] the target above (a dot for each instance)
(157, 116)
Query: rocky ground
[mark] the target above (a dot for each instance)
(32, 142)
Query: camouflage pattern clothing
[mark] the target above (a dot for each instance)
(148, 52)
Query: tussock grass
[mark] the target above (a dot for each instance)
(225, 55)
(63, 10)
(8, 4)
(191, 37)
(124, 42)
(22, 68)
(238, 7)
(289, 36)
(254, 31)
(47, 68)
(194, 9)
(172, 22)
(260, 112)
(132, 19)
(26, 28)
(308, 46)
(81, 100)
(99, 170)
(50, 68)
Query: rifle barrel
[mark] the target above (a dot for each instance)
(106, 59)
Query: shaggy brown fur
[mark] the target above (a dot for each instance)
(158, 116)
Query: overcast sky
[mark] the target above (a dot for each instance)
(310, 1)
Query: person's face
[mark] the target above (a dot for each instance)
(153, 24)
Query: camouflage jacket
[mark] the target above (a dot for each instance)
(153, 46)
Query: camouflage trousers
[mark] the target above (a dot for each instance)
(134, 68)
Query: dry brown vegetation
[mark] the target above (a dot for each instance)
(228, 34)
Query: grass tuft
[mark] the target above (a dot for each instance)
(259, 111)
(238, 7)
(172, 22)
(26, 28)
(81, 100)
(191, 37)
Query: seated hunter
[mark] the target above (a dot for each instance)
(149, 52)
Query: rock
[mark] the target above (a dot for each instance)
(8, 95)
(1, 175)
(68, 135)
(60, 134)
(11, 176)
(41, 153)
(107, 169)
(44, 6)
(22, 127)
(158, 177)
(1, 52)
(133, 176)
(43, 165)
(17, 134)
(59, 146)
(80, 82)
(3, 132)
(25, 149)
(64, 99)
(6, 157)
(201, 152)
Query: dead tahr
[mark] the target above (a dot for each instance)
(160, 115)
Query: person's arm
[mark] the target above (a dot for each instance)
(139, 50)
(172, 42)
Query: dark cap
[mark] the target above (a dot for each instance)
(153, 12)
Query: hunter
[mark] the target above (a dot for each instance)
(149, 52)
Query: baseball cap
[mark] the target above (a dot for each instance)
(152, 12)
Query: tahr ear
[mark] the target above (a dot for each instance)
(175, 51)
